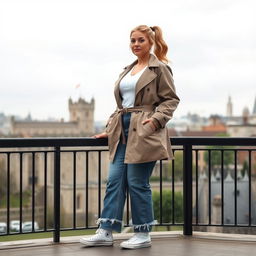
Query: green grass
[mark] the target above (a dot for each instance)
(46, 235)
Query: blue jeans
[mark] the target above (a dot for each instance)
(135, 179)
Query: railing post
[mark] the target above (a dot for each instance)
(187, 189)
(56, 237)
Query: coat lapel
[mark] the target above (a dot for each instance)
(147, 76)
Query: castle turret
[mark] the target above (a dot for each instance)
(82, 113)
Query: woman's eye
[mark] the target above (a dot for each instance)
(139, 40)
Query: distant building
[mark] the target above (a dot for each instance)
(190, 122)
(4, 125)
(241, 130)
(81, 123)
(245, 128)
(229, 194)
(243, 125)
(215, 125)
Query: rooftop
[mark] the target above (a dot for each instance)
(164, 243)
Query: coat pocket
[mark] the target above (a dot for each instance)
(147, 130)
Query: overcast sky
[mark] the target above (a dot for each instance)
(48, 47)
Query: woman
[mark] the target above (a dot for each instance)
(137, 138)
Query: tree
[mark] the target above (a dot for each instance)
(178, 167)
(167, 211)
(228, 156)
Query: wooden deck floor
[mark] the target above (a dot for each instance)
(161, 246)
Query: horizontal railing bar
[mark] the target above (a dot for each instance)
(51, 142)
(52, 151)
(88, 150)
(224, 149)
(214, 141)
(25, 151)
(106, 150)
(88, 141)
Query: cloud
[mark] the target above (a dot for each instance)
(47, 47)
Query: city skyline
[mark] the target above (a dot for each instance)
(43, 59)
(29, 116)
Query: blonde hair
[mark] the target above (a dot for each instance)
(155, 37)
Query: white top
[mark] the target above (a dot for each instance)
(127, 88)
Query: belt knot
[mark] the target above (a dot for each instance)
(123, 110)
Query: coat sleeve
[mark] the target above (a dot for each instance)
(167, 95)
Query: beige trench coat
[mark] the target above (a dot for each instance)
(155, 87)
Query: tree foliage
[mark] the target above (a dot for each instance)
(228, 155)
(167, 211)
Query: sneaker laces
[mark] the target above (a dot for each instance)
(101, 231)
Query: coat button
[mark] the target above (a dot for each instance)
(148, 89)
(134, 129)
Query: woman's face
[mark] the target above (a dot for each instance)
(140, 44)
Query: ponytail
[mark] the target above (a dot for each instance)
(161, 48)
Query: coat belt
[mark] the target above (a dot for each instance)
(142, 108)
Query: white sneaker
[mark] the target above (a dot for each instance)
(139, 240)
(101, 238)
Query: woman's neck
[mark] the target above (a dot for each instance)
(142, 61)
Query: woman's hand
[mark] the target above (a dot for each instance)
(100, 135)
(151, 123)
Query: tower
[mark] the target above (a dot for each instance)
(82, 113)
(229, 107)
(254, 108)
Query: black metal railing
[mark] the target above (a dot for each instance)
(14, 150)
(192, 145)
